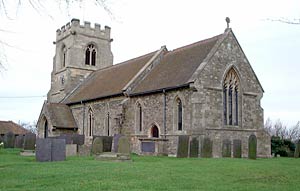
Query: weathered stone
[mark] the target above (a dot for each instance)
(194, 147)
(252, 147)
(183, 146)
(97, 146)
(116, 142)
(124, 145)
(67, 137)
(148, 147)
(43, 150)
(19, 142)
(297, 149)
(58, 150)
(71, 150)
(206, 150)
(226, 148)
(9, 140)
(237, 148)
(29, 141)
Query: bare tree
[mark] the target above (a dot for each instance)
(286, 20)
(278, 129)
(32, 127)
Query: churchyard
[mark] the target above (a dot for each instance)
(147, 173)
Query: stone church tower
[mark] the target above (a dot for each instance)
(80, 50)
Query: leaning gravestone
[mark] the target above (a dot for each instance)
(9, 140)
(252, 147)
(297, 150)
(50, 150)
(206, 151)
(19, 142)
(183, 146)
(237, 148)
(29, 141)
(116, 142)
(97, 146)
(124, 145)
(194, 147)
(226, 148)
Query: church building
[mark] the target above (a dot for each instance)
(207, 91)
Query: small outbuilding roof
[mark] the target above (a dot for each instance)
(10, 126)
(61, 116)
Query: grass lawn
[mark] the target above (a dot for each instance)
(148, 173)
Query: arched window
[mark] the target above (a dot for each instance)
(177, 113)
(64, 55)
(154, 131)
(139, 117)
(90, 122)
(230, 98)
(46, 128)
(90, 55)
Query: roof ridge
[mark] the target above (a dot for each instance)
(124, 62)
(195, 44)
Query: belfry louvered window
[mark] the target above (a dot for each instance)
(90, 55)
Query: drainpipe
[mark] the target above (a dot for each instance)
(83, 117)
(164, 113)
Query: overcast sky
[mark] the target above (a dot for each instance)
(139, 27)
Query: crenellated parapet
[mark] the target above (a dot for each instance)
(75, 28)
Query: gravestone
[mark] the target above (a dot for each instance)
(237, 148)
(123, 145)
(148, 147)
(58, 150)
(71, 150)
(206, 148)
(67, 138)
(97, 146)
(29, 141)
(1, 139)
(183, 146)
(50, 150)
(107, 143)
(19, 142)
(78, 139)
(43, 150)
(226, 148)
(194, 147)
(9, 140)
(297, 150)
(116, 142)
(252, 147)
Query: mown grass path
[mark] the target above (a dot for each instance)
(148, 173)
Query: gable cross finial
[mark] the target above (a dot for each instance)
(227, 21)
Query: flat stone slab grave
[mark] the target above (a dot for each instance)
(148, 147)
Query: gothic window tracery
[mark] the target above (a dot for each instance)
(90, 55)
(231, 98)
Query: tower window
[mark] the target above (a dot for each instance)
(231, 98)
(64, 55)
(90, 55)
